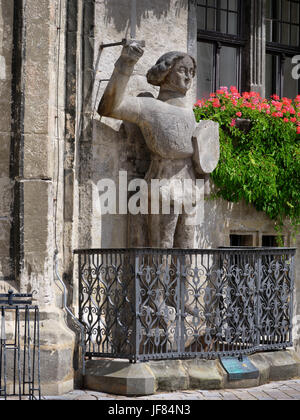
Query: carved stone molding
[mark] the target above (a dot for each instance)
(257, 47)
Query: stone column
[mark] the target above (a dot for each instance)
(257, 49)
(192, 39)
(6, 184)
(39, 73)
(85, 149)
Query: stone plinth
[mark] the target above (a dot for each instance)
(123, 378)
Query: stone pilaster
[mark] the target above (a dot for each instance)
(192, 39)
(6, 183)
(38, 110)
(257, 49)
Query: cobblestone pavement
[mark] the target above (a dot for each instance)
(284, 390)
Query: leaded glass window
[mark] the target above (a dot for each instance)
(283, 43)
(220, 44)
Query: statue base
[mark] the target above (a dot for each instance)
(124, 378)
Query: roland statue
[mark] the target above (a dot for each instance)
(180, 148)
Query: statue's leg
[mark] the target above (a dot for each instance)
(185, 232)
(161, 230)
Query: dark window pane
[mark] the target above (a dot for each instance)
(295, 13)
(290, 85)
(233, 5)
(269, 75)
(268, 8)
(276, 32)
(223, 22)
(285, 34)
(277, 9)
(286, 10)
(205, 69)
(272, 240)
(294, 36)
(241, 240)
(201, 18)
(212, 3)
(211, 20)
(228, 66)
(224, 4)
(232, 24)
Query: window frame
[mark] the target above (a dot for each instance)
(220, 39)
(279, 52)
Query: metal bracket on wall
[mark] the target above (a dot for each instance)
(112, 44)
(116, 44)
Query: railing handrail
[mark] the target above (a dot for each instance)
(186, 250)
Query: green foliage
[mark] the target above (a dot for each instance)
(261, 164)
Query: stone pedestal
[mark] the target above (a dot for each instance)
(123, 378)
(57, 344)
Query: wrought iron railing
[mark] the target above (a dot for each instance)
(19, 347)
(144, 304)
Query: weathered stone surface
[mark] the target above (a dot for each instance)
(119, 377)
(37, 206)
(262, 365)
(5, 139)
(57, 387)
(204, 374)
(57, 343)
(4, 237)
(283, 365)
(38, 162)
(169, 376)
(6, 187)
(241, 383)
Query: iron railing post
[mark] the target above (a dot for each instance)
(292, 262)
(137, 322)
(181, 299)
(258, 299)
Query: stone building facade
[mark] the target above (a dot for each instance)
(55, 148)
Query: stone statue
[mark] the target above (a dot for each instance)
(180, 148)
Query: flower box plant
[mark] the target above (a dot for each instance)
(260, 151)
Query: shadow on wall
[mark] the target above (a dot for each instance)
(145, 8)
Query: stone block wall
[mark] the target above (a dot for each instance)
(6, 185)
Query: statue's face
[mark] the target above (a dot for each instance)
(180, 77)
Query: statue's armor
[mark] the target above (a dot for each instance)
(167, 129)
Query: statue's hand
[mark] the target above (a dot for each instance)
(132, 51)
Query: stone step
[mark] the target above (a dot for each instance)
(136, 379)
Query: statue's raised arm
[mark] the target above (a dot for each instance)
(113, 103)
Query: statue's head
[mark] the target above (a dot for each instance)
(174, 71)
